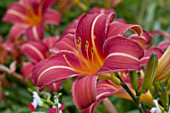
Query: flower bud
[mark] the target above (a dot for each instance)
(134, 79)
(164, 97)
(163, 71)
(150, 73)
(114, 79)
(111, 77)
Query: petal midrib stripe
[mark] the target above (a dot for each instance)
(16, 13)
(122, 54)
(35, 50)
(54, 67)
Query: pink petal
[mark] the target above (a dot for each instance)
(34, 50)
(71, 29)
(105, 89)
(16, 31)
(66, 43)
(15, 13)
(26, 70)
(164, 45)
(27, 2)
(122, 54)
(148, 53)
(84, 91)
(147, 36)
(101, 10)
(47, 4)
(140, 40)
(120, 20)
(51, 41)
(92, 29)
(55, 68)
(35, 32)
(13, 66)
(161, 33)
(55, 86)
(119, 28)
(52, 17)
(34, 5)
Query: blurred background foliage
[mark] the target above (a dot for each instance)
(150, 14)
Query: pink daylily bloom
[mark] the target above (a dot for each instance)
(144, 39)
(37, 51)
(29, 16)
(161, 33)
(164, 45)
(93, 54)
(26, 69)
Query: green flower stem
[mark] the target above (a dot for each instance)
(49, 102)
(127, 88)
(135, 99)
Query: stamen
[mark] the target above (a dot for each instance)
(92, 52)
(65, 58)
(87, 48)
(79, 42)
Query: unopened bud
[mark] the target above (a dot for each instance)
(163, 72)
(150, 73)
(111, 77)
(114, 79)
(134, 79)
(164, 97)
(168, 84)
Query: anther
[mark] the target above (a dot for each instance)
(87, 45)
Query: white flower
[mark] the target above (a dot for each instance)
(37, 99)
(59, 105)
(156, 109)
(169, 110)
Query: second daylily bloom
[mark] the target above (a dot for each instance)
(37, 51)
(28, 17)
(93, 55)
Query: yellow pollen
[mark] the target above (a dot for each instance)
(88, 65)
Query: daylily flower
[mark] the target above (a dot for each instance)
(163, 44)
(93, 53)
(29, 16)
(37, 51)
